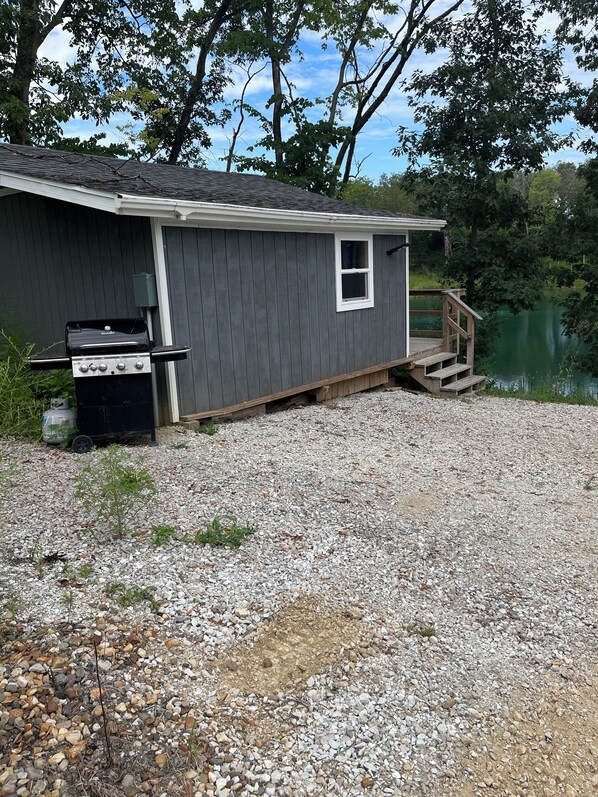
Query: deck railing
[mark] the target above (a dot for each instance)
(457, 320)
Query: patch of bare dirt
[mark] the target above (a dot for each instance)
(541, 749)
(299, 641)
(418, 506)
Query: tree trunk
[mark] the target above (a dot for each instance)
(182, 127)
(28, 41)
(472, 245)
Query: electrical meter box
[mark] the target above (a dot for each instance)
(144, 289)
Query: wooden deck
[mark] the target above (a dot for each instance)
(421, 347)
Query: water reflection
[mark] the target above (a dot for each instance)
(533, 350)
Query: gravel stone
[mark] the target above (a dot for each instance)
(414, 615)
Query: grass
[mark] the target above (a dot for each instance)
(422, 280)
(223, 531)
(549, 393)
(424, 631)
(209, 428)
(11, 603)
(161, 534)
(132, 596)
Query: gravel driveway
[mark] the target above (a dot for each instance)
(415, 615)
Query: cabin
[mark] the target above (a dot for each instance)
(278, 291)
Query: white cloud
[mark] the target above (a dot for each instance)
(57, 48)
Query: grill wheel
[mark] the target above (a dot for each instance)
(82, 444)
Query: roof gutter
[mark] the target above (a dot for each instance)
(214, 214)
(218, 214)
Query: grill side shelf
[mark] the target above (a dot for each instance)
(162, 354)
(49, 363)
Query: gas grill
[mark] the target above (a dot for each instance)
(112, 362)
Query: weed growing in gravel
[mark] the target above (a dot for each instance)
(209, 428)
(161, 535)
(425, 631)
(68, 599)
(38, 556)
(131, 596)
(223, 531)
(86, 571)
(114, 492)
(591, 484)
(11, 602)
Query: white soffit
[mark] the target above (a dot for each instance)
(211, 214)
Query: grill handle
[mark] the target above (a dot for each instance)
(100, 346)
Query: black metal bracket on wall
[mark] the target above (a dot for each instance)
(390, 252)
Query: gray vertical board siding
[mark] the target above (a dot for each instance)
(61, 262)
(265, 319)
(256, 262)
(240, 315)
(248, 282)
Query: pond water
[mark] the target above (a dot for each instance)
(533, 350)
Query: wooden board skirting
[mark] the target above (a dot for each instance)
(293, 391)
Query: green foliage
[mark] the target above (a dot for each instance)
(590, 482)
(424, 631)
(486, 113)
(110, 41)
(132, 596)
(25, 394)
(37, 555)
(114, 492)
(161, 534)
(11, 602)
(223, 531)
(547, 392)
(209, 427)
(86, 571)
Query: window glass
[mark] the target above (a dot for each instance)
(354, 286)
(354, 254)
(354, 272)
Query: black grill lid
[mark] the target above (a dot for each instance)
(106, 335)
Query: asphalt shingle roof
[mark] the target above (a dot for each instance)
(134, 178)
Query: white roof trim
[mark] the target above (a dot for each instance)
(67, 193)
(214, 214)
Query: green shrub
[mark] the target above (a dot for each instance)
(223, 531)
(114, 492)
(25, 394)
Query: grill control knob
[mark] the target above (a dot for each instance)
(93, 367)
(103, 367)
(121, 366)
(84, 368)
(139, 365)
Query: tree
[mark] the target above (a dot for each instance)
(374, 40)
(578, 29)
(109, 37)
(487, 112)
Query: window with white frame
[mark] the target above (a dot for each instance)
(354, 272)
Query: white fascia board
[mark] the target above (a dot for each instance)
(224, 216)
(76, 194)
(212, 214)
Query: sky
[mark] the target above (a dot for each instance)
(312, 77)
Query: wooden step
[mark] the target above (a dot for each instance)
(462, 384)
(450, 370)
(433, 359)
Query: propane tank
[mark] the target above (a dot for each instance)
(59, 423)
